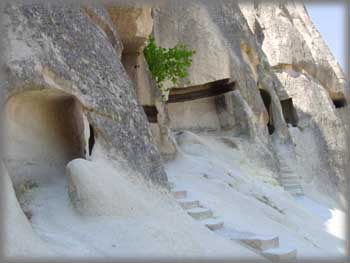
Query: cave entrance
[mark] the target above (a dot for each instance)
(289, 112)
(339, 102)
(266, 97)
(151, 113)
(91, 139)
(44, 130)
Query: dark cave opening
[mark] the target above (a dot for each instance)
(91, 139)
(266, 97)
(151, 113)
(339, 103)
(289, 112)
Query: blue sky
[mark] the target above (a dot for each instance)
(329, 19)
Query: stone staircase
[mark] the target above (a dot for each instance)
(196, 210)
(267, 246)
(289, 180)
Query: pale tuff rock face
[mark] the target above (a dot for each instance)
(101, 18)
(266, 50)
(189, 23)
(225, 48)
(303, 47)
(134, 25)
(312, 78)
(328, 71)
(44, 50)
(318, 116)
(85, 119)
(16, 225)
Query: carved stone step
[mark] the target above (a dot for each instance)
(213, 223)
(283, 164)
(289, 181)
(297, 191)
(179, 194)
(281, 254)
(188, 203)
(286, 171)
(261, 242)
(292, 187)
(200, 213)
(288, 176)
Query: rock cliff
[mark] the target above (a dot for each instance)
(76, 86)
(50, 47)
(285, 75)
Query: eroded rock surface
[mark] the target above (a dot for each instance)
(312, 78)
(78, 91)
(62, 47)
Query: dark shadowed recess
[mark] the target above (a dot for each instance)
(266, 97)
(91, 139)
(211, 89)
(151, 113)
(289, 112)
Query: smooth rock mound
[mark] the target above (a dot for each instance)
(98, 189)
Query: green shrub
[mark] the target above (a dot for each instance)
(168, 63)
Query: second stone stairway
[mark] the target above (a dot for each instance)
(289, 180)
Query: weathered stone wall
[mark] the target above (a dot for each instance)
(308, 74)
(52, 46)
(16, 226)
(226, 48)
(135, 24)
(274, 48)
(263, 48)
(197, 115)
